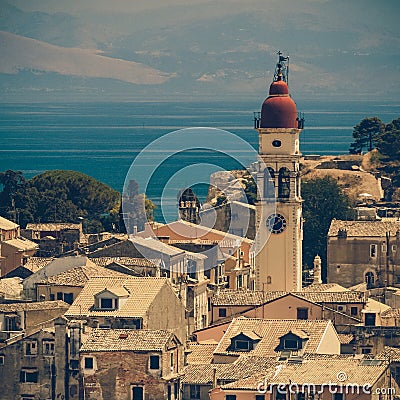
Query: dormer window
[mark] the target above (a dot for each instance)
(242, 345)
(245, 341)
(108, 303)
(110, 299)
(293, 341)
(290, 344)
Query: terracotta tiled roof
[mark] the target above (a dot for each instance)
(325, 287)
(200, 374)
(243, 367)
(126, 261)
(126, 340)
(254, 298)
(189, 230)
(21, 244)
(7, 225)
(317, 372)
(34, 306)
(333, 297)
(155, 245)
(391, 313)
(35, 263)
(10, 288)
(365, 228)
(244, 297)
(48, 227)
(246, 366)
(79, 276)
(345, 338)
(200, 353)
(142, 293)
(270, 330)
(390, 353)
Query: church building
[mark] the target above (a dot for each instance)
(279, 209)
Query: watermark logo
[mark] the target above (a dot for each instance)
(341, 376)
(333, 387)
(187, 158)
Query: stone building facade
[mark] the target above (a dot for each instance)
(131, 364)
(364, 251)
(14, 249)
(27, 368)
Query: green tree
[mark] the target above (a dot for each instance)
(365, 134)
(323, 201)
(59, 196)
(10, 182)
(251, 190)
(388, 142)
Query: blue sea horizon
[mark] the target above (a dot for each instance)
(102, 139)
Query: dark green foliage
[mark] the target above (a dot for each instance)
(365, 134)
(388, 142)
(251, 191)
(10, 183)
(63, 196)
(323, 201)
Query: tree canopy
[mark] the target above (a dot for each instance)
(365, 134)
(59, 196)
(323, 201)
(388, 141)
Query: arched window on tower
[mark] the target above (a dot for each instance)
(284, 183)
(269, 183)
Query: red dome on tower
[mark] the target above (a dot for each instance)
(279, 110)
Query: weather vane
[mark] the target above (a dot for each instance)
(282, 68)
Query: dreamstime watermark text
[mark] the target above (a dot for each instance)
(338, 386)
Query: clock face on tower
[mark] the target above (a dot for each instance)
(276, 223)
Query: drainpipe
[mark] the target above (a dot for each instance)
(214, 383)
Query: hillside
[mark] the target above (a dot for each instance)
(348, 170)
(21, 53)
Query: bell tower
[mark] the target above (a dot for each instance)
(279, 259)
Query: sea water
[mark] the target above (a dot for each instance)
(103, 139)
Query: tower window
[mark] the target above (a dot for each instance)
(277, 143)
(284, 183)
(269, 183)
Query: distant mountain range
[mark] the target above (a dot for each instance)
(195, 52)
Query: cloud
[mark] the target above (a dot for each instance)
(20, 53)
